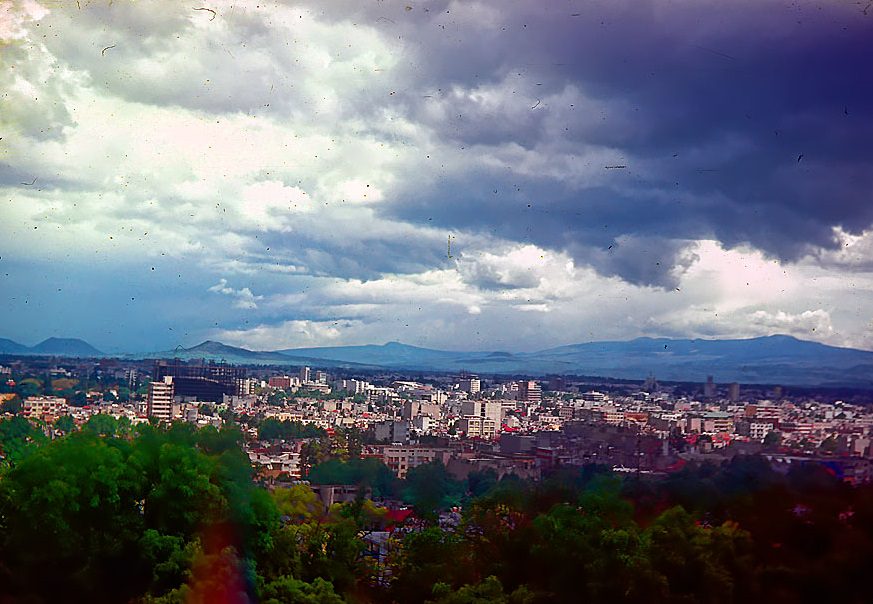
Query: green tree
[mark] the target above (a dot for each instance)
(80, 489)
(426, 558)
(106, 425)
(314, 452)
(430, 488)
(17, 437)
(369, 472)
(65, 424)
(480, 482)
(28, 387)
(698, 562)
(272, 429)
(79, 399)
(489, 591)
(297, 503)
(287, 590)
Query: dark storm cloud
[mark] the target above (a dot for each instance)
(746, 122)
(358, 257)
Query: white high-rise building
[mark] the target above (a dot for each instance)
(160, 399)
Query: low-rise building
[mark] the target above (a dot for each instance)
(37, 406)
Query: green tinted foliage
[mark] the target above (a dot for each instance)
(489, 591)
(106, 425)
(297, 503)
(123, 517)
(65, 424)
(368, 472)
(170, 514)
(214, 441)
(84, 495)
(29, 387)
(17, 437)
(430, 488)
(315, 550)
(480, 483)
(426, 558)
(696, 561)
(273, 429)
(287, 590)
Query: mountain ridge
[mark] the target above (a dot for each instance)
(58, 347)
(766, 359)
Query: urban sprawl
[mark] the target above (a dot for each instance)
(470, 423)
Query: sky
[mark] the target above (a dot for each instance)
(472, 175)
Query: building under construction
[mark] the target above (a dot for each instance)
(208, 382)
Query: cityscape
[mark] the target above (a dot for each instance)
(436, 302)
(470, 423)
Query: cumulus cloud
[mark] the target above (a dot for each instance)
(243, 298)
(809, 323)
(293, 333)
(461, 174)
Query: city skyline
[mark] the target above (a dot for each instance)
(462, 176)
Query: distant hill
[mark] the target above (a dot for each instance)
(770, 359)
(392, 354)
(774, 359)
(67, 347)
(217, 351)
(60, 347)
(10, 347)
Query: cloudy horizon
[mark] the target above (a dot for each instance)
(458, 175)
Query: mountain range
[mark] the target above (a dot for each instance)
(58, 347)
(774, 359)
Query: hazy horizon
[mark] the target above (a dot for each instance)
(134, 349)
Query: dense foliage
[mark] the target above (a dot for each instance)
(273, 429)
(116, 513)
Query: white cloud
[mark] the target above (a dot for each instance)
(289, 334)
(810, 324)
(243, 298)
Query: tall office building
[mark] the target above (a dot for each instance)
(201, 382)
(529, 391)
(469, 383)
(734, 392)
(305, 374)
(709, 387)
(160, 399)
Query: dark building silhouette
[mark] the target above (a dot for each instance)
(208, 382)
